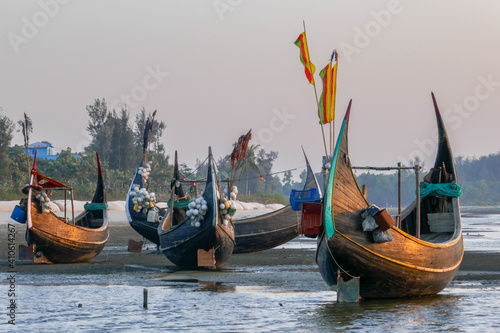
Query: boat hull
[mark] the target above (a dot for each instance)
(416, 262)
(181, 244)
(266, 231)
(382, 276)
(138, 221)
(61, 242)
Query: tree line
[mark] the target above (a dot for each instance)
(119, 142)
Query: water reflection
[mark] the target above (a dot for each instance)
(215, 287)
(415, 314)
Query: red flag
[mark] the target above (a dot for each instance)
(241, 148)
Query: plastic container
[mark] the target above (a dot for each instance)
(18, 215)
(384, 220)
(311, 218)
(297, 198)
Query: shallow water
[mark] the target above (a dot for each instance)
(114, 302)
(211, 307)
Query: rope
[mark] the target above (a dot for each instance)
(195, 170)
(272, 173)
(440, 190)
(331, 254)
(489, 203)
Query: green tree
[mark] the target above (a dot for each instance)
(287, 183)
(123, 152)
(249, 163)
(155, 139)
(265, 162)
(6, 135)
(100, 128)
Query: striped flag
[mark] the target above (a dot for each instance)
(304, 57)
(326, 110)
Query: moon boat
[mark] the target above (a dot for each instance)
(144, 224)
(420, 257)
(60, 239)
(272, 229)
(141, 209)
(192, 237)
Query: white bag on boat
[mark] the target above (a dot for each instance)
(369, 223)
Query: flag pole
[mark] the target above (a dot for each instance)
(315, 92)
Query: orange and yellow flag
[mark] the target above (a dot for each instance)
(304, 57)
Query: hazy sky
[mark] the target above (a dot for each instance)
(214, 69)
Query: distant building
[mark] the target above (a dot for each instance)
(44, 150)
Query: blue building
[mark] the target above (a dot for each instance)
(44, 150)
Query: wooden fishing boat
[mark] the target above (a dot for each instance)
(138, 220)
(189, 242)
(144, 221)
(269, 230)
(408, 265)
(61, 239)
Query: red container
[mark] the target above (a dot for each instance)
(384, 220)
(311, 218)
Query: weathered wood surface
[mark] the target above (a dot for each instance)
(63, 242)
(266, 231)
(406, 266)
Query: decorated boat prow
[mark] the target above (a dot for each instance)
(416, 255)
(199, 235)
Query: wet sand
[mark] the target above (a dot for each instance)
(275, 267)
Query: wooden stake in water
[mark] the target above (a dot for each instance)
(145, 300)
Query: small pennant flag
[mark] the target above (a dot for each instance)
(304, 57)
(326, 110)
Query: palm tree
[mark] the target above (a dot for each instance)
(250, 162)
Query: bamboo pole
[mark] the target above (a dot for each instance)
(65, 205)
(417, 218)
(399, 195)
(72, 206)
(172, 197)
(315, 92)
(331, 137)
(145, 298)
(382, 168)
